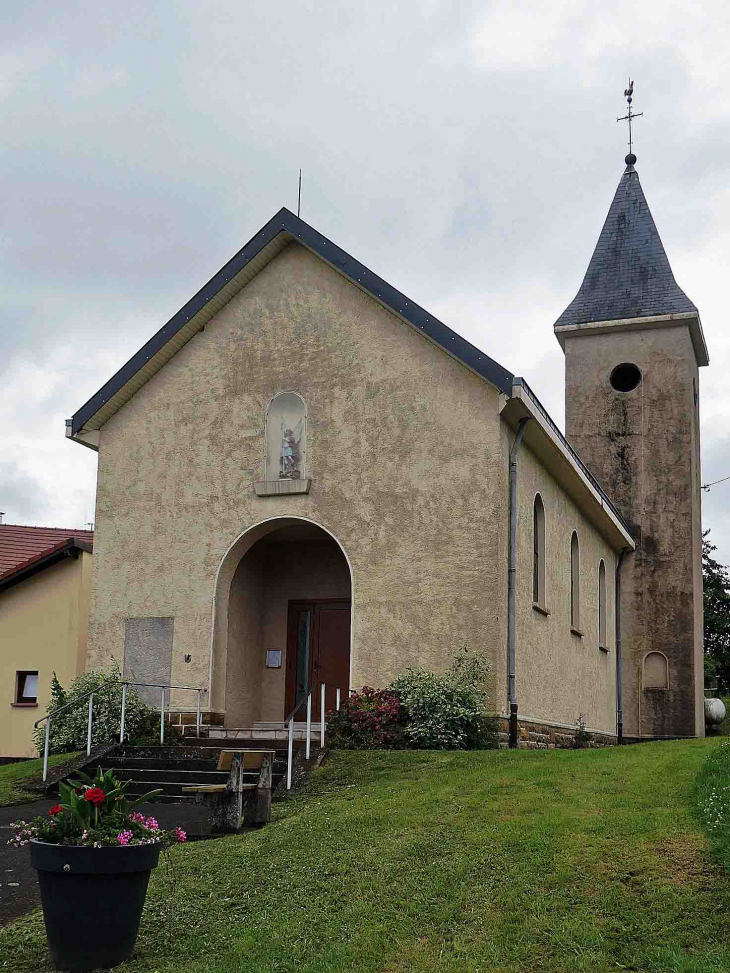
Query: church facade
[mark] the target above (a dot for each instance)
(305, 477)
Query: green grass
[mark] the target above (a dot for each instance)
(713, 798)
(537, 862)
(13, 775)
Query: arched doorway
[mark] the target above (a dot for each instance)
(282, 621)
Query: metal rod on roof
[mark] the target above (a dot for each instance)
(299, 200)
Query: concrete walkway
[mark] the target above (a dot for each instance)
(18, 882)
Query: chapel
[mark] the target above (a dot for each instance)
(307, 479)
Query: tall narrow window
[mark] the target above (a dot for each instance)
(574, 583)
(602, 636)
(538, 552)
(286, 437)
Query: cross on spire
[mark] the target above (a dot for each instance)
(629, 95)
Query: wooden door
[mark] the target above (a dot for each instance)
(318, 650)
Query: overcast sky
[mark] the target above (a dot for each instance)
(466, 151)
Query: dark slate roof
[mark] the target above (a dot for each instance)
(629, 275)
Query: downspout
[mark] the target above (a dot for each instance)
(619, 654)
(511, 578)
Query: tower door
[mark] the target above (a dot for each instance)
(318, 650)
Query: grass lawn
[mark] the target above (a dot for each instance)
(13, 775)
(526, 861)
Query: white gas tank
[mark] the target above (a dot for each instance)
(714, 711)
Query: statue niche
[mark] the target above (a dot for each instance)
(286, 427)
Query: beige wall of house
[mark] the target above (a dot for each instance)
(403, 451)
(43, 625)
(560, 675)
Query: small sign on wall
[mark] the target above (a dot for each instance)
(273, 658)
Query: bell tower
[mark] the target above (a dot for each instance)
(633, 345)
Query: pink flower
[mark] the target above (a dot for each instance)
(124, 837)
(136, 817)
(180, 834)
(151, 824)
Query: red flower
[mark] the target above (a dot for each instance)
(55, 810)
(95, 795)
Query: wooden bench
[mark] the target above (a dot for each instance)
(237, 804)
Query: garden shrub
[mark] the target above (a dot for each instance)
(421, 710)
(68, 729)
(368, 719)
(448, 711)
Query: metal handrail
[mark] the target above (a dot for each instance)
(124, 684)
(289, 721)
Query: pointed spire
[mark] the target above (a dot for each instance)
(629, 275)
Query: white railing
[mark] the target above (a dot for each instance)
(103, 689)
(289, 723)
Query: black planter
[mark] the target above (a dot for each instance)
(92, 901)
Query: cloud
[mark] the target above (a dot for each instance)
(466, 152)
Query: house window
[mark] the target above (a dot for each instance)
(656, 671)
(575, 584)
(286, 431)
(538, 553)
(26, 688)
(602, 637)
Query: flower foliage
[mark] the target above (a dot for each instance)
(369, 719)
(68, 730)
(420, 709)
(95, 813)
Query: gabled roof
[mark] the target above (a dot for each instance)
(15, 547)
(18, 544)
(629, 276)
(281, 230)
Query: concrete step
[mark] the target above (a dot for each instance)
(174, 788)
(152, 763)
(155, 776)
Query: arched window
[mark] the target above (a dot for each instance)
(602, 635)
(286, 437)
(656, 671)
(538, 552)
(574, 583)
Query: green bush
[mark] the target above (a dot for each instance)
(421, 710)
(448, 711)
(69, 728)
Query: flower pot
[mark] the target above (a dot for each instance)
(92, 901)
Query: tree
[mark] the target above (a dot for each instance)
(716, 599)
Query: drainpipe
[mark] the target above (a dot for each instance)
(619, 654)
(511, 578)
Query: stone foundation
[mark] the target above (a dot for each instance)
(542, 736)
(190, 718)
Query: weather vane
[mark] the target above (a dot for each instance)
(629, 95)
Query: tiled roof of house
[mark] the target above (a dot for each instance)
(629, 274)
(19, 544)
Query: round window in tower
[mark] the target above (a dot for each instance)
(625, 378)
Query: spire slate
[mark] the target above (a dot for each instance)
(629, 275)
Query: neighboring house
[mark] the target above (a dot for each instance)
(304, 476)
(45, 577)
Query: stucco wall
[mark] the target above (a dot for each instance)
(644, 448)
(43, 628)
(560, 675)
(403, 452)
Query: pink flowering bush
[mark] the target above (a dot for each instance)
(95, 813)
(369, 719)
